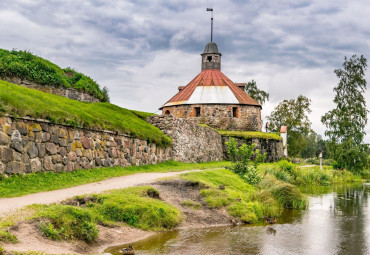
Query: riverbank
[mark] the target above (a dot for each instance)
(206, 198)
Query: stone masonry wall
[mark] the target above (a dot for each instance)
(60, 91)
(273, 148)
(248, 118)
(191, 142)
(32, 146)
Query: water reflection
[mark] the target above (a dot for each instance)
(335, 223)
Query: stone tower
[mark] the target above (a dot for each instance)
(213, 99)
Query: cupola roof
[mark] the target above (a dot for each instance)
(211, 47)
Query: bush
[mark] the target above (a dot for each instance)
(245, 160)
(287, 195)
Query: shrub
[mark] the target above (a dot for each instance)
(287, 195)
(245, 160)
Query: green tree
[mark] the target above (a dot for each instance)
(346, 123)
(312, 147)
(259, 95)
(293, 113)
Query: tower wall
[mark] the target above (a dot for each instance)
(220, 116)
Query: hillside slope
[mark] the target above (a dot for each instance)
(25, 65)
(20, 101)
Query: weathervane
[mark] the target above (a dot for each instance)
(211, 10)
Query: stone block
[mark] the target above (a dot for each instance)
(62, 133)
(51, 148)
(36, 165)
(15, 167)
(63, 142)
(46, 137)
(54, 139)
(63, 151)
(16, 136)
(48, 163)
(22, 128)
(32, 150)
(6, 154)
(4, 139)
(72, 156)
(86, 143)
(59, 168)
(41, 149)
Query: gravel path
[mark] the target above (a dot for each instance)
(8, 205)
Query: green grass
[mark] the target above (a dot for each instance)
(25, 65)
(250, 204)
(134, 206)
(19, 101)
(191, 204)
(250, 134)
(7, 237)
(19, 185)
(296, 175)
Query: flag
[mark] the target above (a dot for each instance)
(209, 9)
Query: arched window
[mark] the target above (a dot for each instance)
(167, 112)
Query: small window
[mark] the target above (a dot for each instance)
(197, 111)
(167, 112)
(235, 112)
(209, 59)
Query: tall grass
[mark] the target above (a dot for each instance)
(250, 204)
(25, 65)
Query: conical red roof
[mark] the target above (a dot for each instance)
(213, 87)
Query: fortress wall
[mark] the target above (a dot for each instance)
(32, 145)
(191, 142)
(28, 145)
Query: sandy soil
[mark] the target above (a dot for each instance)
(173, 191)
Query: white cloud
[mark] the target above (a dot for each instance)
(143, 50)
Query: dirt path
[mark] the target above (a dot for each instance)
(8, 205)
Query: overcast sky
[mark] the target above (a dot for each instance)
(143, 50)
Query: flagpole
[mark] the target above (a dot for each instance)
(211, 10)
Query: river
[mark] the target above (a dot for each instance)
(336, 222)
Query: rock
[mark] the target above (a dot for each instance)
(2, 168)
(59, 168)
(36, 127)
(54, 139)
(63, 142)
(6, 154)
(69, 167)
(51, 148)
(86, 143)
(48, 164)
(79, 153)
(62, 133)
(42, 150)
(16, 168)
(46, 137)
(32, 150)
(63, 151)
(17, 146)
(22, 128)
(35, 165)
(16, 136)
(4, 139)
(72, 156)
(76, 136)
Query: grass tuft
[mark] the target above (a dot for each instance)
(7, 237)
(191, 204)
(250, 134)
